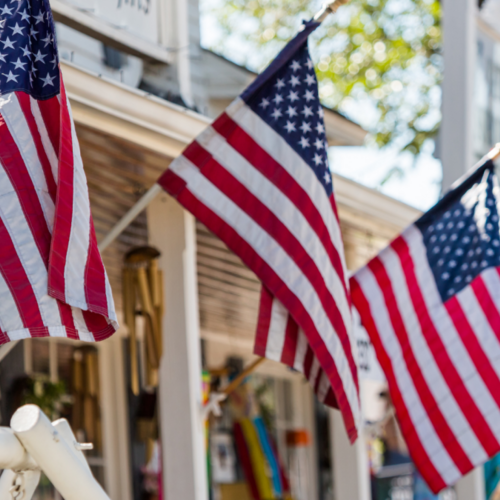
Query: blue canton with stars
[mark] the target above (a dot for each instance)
(286, 97)
(28, 52)
(462, 233)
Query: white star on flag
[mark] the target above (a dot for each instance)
(8, 44)
(304, 142)
(10, 76)
(310, 79)
(290, 126)
(48, 80)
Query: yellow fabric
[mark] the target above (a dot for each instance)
(259, 463)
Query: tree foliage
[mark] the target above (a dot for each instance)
(383, 53)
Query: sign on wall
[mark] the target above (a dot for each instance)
(139, 17)
(368, 365)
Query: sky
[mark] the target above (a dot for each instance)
(417, 182)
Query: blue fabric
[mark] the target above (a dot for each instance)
(462, 233)
(269, 454)
(491, 475)
(420, 489)
(286, 97)
(28, 51)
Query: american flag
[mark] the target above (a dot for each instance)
(431, 304)
(259, 179)
(52, 280)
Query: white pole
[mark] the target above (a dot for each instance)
(55, 456)
(459, 52)
(130, 216)
(12, 453)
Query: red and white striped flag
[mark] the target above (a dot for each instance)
(259, 179)
(431, 304)
(52, 280)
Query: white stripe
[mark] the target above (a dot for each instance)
(18, 127)
(323, 387)
(277, 330)
(111, 304)
(78, 247)
(451, 339)
(283, 153)
(286, 211)
(46, 142)
(12, 216)
(10, 319)
(278, 259)
(416, 411)
(81, 326)
(491, 280)
(300, 352)
(434, 379)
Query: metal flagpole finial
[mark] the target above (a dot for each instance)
(327, 9)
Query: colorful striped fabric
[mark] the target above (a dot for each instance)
(52, 279)
(258, 459)
(270, 456)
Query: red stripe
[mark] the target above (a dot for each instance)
(440, 424)
(241, 247)
(416, 449)
(330, 399)
(290, 344)
(19, 285)
(440, 353)
(264, 322)
(487, 304)
(261, 214)
(51, 111)
(19, 176)
(25, 103)
(308, 361)
(98, 325)
(67, 320)
(95, 277)
(273, 171)
(64, 204)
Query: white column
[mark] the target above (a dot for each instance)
(459, 49)
(471, 487)
(172, 231)
(175, 34)
(351, 476)
(116, 450)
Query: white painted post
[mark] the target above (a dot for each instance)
(56, 456)
(114, 419)
(459, 49)
(351, 477)
(172, 231)
(471, 487)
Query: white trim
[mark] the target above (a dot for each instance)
(97, 28)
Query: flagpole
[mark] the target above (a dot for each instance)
(327, 9)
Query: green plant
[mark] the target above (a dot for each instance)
(383, 53)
